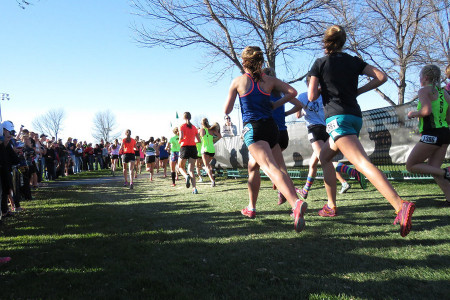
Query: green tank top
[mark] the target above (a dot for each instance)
(208, 143)
(174, 144)
(437, 118)
(199, 149)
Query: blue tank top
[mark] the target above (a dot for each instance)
(278, 114)
(162, 151)
(255, 104)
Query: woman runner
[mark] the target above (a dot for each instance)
(433, 113)
(137, 156)
(150, 156)
(163, 155)
(188, 150)
(114, 150)
(174, 148)
(260, 130)
(207, 134)
(337, 73)
(128, 148)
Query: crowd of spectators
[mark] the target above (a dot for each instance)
(27, 159)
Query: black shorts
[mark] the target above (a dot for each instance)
(283, 139)
(436, 136)
(150, 159)
(163, 157)
(115, 156)
(261, 130)
(209, 154)
(187, 152)
(137, 154)
(317, 133)
(128, 157)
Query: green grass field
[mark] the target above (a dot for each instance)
(162, 242)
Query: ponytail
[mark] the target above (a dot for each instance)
(187, 117)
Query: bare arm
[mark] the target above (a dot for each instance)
(425, 100)
(378, 78)
(232, 94)
(313, 89)
(288, 91)
(296, 109)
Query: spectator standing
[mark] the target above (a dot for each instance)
(228, 129)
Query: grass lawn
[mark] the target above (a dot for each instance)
(162, 242)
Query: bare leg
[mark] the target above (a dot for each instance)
(191, 172)
(131, 165)
(350, 146)
(207, 162)
(264, 156)
(254, 183)
(329, 150)
(125, 171)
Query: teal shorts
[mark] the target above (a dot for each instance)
(341, 125)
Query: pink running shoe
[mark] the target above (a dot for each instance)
(4, 260)
(328, 212)
(248, 212)
(299, 212)
(404, 217)
(281, 198)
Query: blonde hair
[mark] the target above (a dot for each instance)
(253, 60)
(175, 130)
(205, 123)
(334, 39)
(447, 72)
(432, 74)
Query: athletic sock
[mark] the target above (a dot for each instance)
(343, 168)
(308, 184)
(173, 177)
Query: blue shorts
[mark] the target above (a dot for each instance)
(341, 125)
(174, 156)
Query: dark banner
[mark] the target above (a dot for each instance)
(387, 136)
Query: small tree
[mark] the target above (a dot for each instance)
(50, 123)
(104, 125)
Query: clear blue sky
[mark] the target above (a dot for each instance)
(81, 55)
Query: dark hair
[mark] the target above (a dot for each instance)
(150, 140)
(252, 60)
(334, 39)
(187, 116)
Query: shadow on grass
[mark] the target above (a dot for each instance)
(150, 245)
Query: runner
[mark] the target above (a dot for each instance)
(433, 112)
(260, 130)
(188, 150)
(128, 148)
(150, 156)
(337, 73)
(317, 135)
(209, 135)
(114, 150)
(157, 141)
(199, 161)
(174, 148)
(137, 157)
(163, 155)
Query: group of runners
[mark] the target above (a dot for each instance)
(331, 110)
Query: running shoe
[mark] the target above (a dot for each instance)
(345, 187)
(328, 212)
(404, 217)
(299, 211)
(213, 184)
(131, 186)
(194, 191)
(125, 184)
(361, 179)
(4, 260)
(302, 193)
(173, 184)
(188, 181)
(200, 179)
(281, 198)
(251, 213)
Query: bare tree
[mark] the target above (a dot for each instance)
(50, 123)
(387, 34)
(104, 125)
(223, 28)
(23, 3)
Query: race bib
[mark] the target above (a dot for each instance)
(332, 126)
(428, 139)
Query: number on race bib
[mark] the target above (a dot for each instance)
(332, 126)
